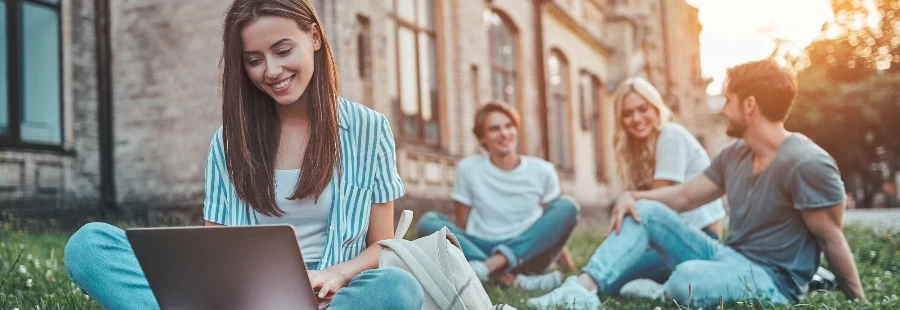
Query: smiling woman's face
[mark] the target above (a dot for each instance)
(638, 116)
(279, 57)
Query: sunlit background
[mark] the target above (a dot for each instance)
(737, 31)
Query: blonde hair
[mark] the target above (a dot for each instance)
(636, 159)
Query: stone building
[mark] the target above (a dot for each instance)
(115, 102)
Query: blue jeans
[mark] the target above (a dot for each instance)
(649, 266)
(100, 261)
(531, 252)
(705, 269)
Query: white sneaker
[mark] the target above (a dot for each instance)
(539, 282)
(644, 288)
(481, 270)
(571, 295)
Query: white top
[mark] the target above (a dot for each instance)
(679, 157)
(504, 203)
(310, 220)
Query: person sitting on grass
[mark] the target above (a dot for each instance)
(652, 151)
(786, 200)
(510, 218)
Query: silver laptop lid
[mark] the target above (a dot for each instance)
(248, 267)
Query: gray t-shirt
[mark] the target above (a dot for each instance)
(766, 225)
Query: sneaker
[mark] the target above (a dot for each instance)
(539, 282)
(481, 270)
(644, 288)
(571, 295)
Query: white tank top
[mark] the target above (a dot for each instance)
(310, 220)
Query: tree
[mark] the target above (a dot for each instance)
(849, 97)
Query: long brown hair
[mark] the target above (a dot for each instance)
(251, 124)
(637, 158)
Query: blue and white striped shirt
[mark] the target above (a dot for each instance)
(369, 176)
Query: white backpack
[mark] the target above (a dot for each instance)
(439, 265)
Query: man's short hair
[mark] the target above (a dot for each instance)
(491, 107)
(772, 85)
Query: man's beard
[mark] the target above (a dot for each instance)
(737, 129)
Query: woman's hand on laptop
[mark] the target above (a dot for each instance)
(327, 282)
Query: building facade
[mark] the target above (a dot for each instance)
(120, 115)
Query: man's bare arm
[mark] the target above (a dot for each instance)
(696, 192)
(825, 224)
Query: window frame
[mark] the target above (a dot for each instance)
(515, 73)
(553, 97)
(12, 139)
(507, 72)
(594, 115)
(437, 104)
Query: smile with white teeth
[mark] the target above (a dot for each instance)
(283, 83)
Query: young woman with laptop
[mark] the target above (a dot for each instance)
(290, 151)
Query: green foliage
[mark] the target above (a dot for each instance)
(38, 257)
(848, 100)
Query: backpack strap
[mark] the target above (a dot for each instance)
(443, 254)
(430, 276)
(404, 223)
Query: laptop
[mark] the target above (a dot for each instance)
(246, 267)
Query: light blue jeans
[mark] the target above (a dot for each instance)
(100, 261)
(649, 266)
(531, 252)
(705, 269)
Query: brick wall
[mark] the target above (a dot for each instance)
(43, 183)
(165, 93)
(166, 105)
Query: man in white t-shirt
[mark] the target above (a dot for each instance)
(510, 218)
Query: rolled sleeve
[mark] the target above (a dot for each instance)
(671, 159)
(387, 184)
(716, 170)
(817, 184)
(551, 189)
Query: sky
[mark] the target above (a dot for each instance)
(738, 31)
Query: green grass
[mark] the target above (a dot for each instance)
(38, 257)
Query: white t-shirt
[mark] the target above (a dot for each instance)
(679, 157)
(504, 203)
(310, 220)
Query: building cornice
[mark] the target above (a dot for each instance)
(556, 12)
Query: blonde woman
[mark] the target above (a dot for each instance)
(653, 152)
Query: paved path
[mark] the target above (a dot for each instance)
(881, 219)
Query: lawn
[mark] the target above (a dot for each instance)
(33, 276)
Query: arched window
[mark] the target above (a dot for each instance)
(412, 82)
(503, 55)
(559, 122)
(590, 109)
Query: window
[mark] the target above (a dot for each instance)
(558, 110)
(413, 84)
(590, 90)
(504, 56)
(30, 73)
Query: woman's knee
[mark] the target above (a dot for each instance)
(83, 243)
(81, 248)
(651, 209)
